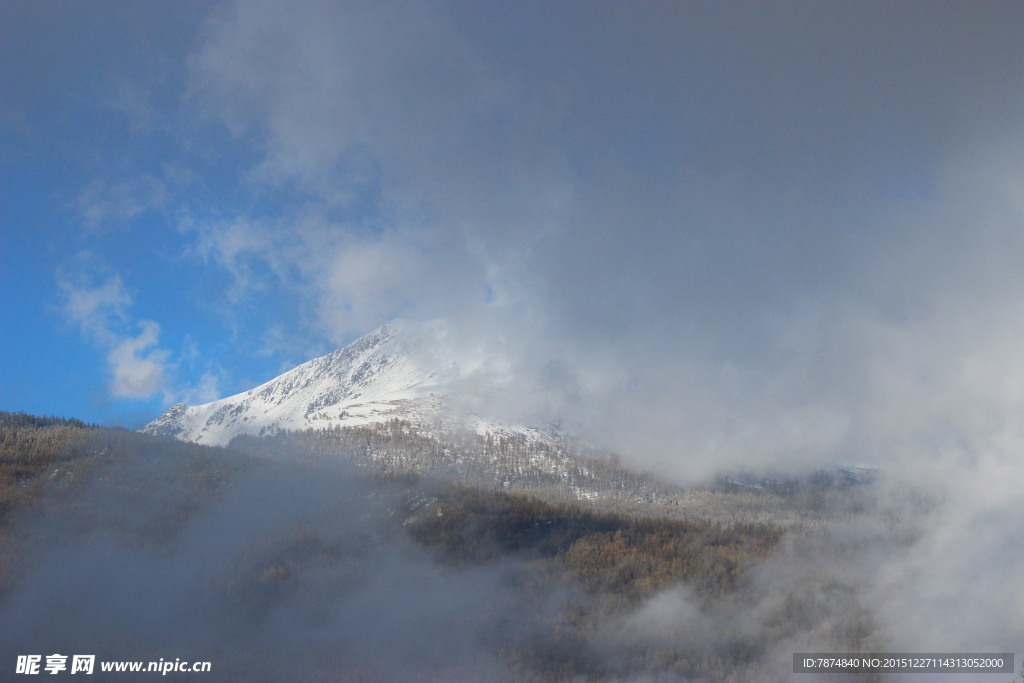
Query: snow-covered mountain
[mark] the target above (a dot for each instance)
(403, 370)
(401, 399)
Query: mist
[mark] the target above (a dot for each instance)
(709, 237)
(298, 564)
(287, 570)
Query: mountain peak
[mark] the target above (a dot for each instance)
(404, 369)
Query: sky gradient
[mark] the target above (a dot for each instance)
(714, 233)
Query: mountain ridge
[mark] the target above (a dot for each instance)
(402, 370)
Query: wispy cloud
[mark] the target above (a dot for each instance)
(96, 307)
(105, 203)
(396, 199)
(245, 249)
(95, 299)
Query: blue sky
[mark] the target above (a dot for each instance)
(758, 229)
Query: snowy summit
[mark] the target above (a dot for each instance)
(403, 370)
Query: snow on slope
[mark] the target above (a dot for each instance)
(402, 370)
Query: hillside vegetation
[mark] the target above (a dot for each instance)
(256, 546)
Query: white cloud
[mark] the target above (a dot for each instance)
(139, 370)
(94, 307)
(96, 300)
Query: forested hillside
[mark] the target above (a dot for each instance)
(561, 471)
(138, 547)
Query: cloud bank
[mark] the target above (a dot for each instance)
(733, 236)
(708, 236)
